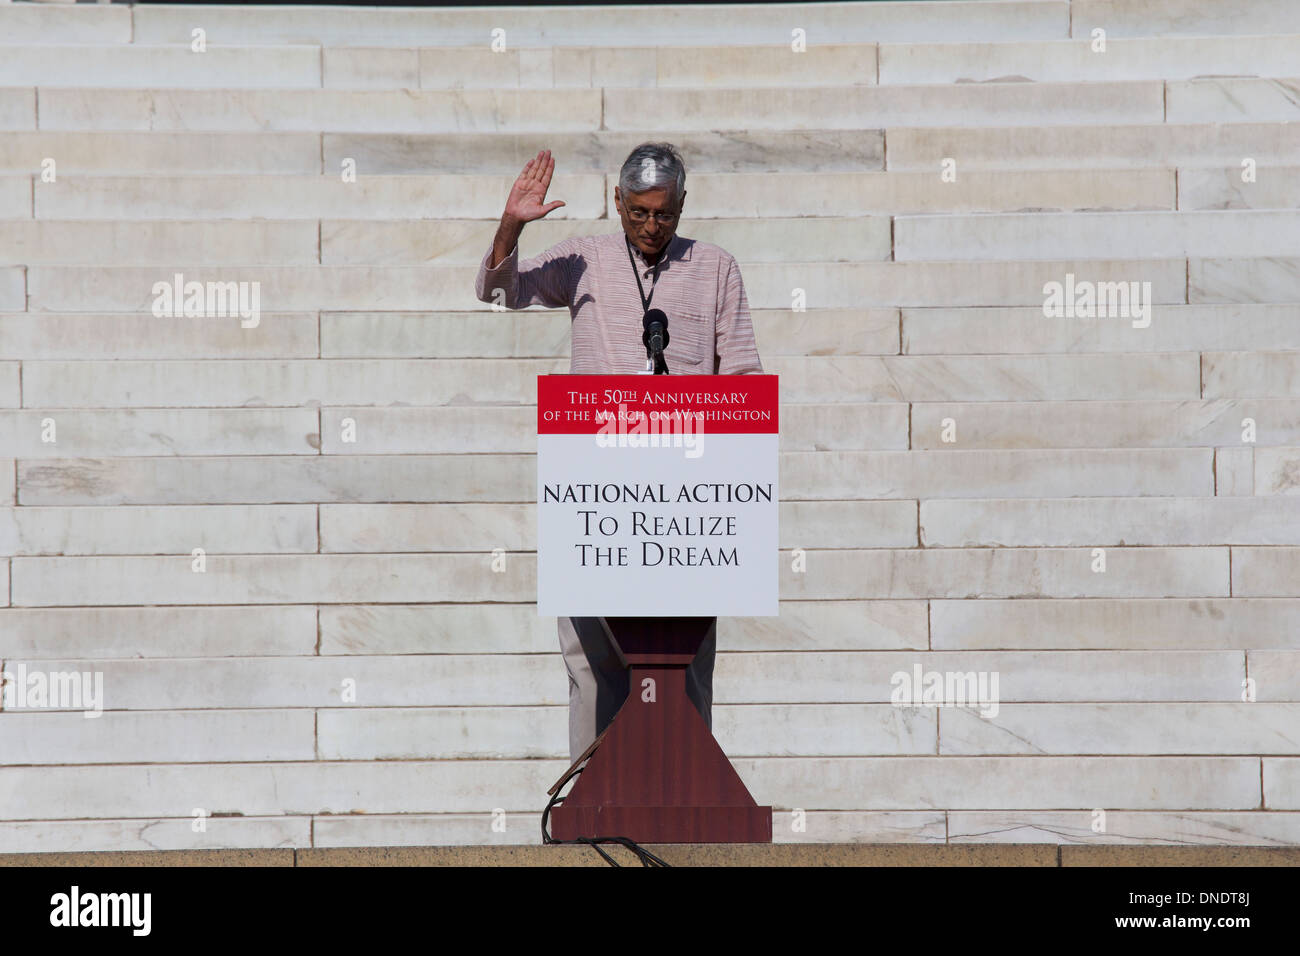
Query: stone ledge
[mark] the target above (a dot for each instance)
(778, 854)
(693, 854)
(1180, 856)
(278, 857)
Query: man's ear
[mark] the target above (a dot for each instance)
(618, 201)
(682, 205)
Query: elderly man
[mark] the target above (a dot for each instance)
(608, 282)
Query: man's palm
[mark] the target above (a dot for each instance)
(527, 200)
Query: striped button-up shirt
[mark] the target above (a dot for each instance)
(699, 288)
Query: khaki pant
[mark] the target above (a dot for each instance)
(598, 678)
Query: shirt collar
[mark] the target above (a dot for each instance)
(647, 268)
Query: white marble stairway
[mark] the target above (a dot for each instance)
(1102, 509)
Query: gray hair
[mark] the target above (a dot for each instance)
(653, 166)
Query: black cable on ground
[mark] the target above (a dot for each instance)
(645, 856)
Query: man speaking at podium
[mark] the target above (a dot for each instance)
(608, 283)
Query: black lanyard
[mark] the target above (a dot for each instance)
(645, 299)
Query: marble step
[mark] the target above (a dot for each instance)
(504, 477)
(774, 285)
(1129, 146)
(31, 23)
(1097, 522)
(1058, 61)
(284, 529)
(1260, 626)
(878, 573)
(1232, 100)
(1126, 18)
(702, 25)
(1173, 327)
(528, 334)
(481, 382)
(136, 65)
(541, 110)
(603, 152)
(98, 433)
(480, 67)
(122, 242)
(293, 110)
(506, 733)
(587, 191)
(1273, 187)
(834, 64)
(475, 786)
(1136, 235)
(437, 679)
(159, 153)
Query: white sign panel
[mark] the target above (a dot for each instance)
(657, 495)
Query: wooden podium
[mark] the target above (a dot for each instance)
(648, 534)
(656, 775)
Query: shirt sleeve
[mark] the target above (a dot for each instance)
(545, 279)
(736, 350)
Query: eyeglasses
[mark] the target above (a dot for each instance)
(663, 218)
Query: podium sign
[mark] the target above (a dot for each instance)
(657, 512)
(657, 495)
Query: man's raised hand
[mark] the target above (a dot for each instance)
(527, 200)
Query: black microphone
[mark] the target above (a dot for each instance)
(655, 337)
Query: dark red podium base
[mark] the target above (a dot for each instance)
(656, 775)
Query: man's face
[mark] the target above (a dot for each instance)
(651, 235)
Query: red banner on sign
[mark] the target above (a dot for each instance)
(717, 404)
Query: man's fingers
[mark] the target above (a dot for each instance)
(537, 172)
(530, 167)
(536, 176)
(526, 176)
